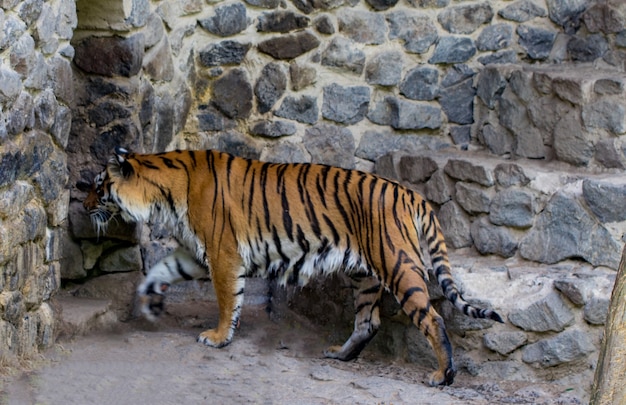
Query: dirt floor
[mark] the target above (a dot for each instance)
(268, 362)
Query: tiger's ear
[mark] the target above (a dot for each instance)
(126, 169)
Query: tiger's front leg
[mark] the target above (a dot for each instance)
(367, 319)
(229, 283)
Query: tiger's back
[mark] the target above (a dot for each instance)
(293, 221)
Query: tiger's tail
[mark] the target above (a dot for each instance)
(431, 230)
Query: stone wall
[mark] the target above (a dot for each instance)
(36, 94)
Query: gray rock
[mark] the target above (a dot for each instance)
(605, 199)
(384, 68)
(490, 86)
(429, 3)
(302, 109)
(465, 19)
(342, 53)
(375, 144)
(22, 114)
(154, 30)
(110, 56)
(122, 260)
(12, 306)
(452, 49)
(491, 239)
(473, 198)
(331, 145)
(289, 46)
(229, 19)
(270, 87)
(458, 102)
(602, 17)
(607, 114)
(324, 25)
(417, 31)
(439, 188)
(572, 143)
(514, 117)
(562, 231)
(301, 75)
(596, 310)
(609, 86)
(30, 10)
(10, 86)
(522, 11)
(510, 174)
(408, 115)
(281, 21)
(420, 83)
(576, 289)
(286, 152)
(563, 348)
(211, 119)
(385, 166)
(308, 6)
(45, 110)
(537, 42)
(346, 105)
(504, 342)
(232, 94)
(512, 207)
(499, 140)
(549, 313)
(461, 134)
(567, 13)
(587, 49)
(223, 53)
(500, 57)
(158, 63)
(416, 169)
(467, 171)
(362, 26)
(382, 5)
(610, 154)
(456, 74)
(273, 129)
(455, 225)
(494, 37)
(264, 3)
(237, 144)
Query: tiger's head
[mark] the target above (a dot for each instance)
(99, 203)
(116, 191)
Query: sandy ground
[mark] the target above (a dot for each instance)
(268, 362)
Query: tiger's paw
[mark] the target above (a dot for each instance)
(333, 352)
(442, 378)
(213, 338)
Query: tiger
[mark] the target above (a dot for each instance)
(240, 217)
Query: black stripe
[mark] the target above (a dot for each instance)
(408, 293)
(182, 272)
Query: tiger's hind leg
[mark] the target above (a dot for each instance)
(412, 294)
(228, 282)
(367, 320)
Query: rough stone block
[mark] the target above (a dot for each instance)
(510, 174)
(273, 129)
(465, 19)
(110, 56)
(122, 260)
(331, 145)
(504, 342)
(420, 83)
(416, 169)
(303, 109)
(548, 313)
(232, 94)
(384, 68)
(270, 86)
(491, 239)
(494, 37)
(229, 19)
(512, 207)
(281, 21)
(342, 53)
(562, 231)
(563, 348)
(301, 75)
(537, 42)
(346, 105)
(606, 114)
(452, 49)
(572, 144)
(605, 198)
(289, 46)
(223, 53)
(439, 188)
(455, 225)
(417, 31)
(362, 26)
(458, 102)
(473, 198)
(465, 170)
(596, 310)
(522, 11)
(409, 115)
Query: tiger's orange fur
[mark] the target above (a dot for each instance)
(242, 217)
